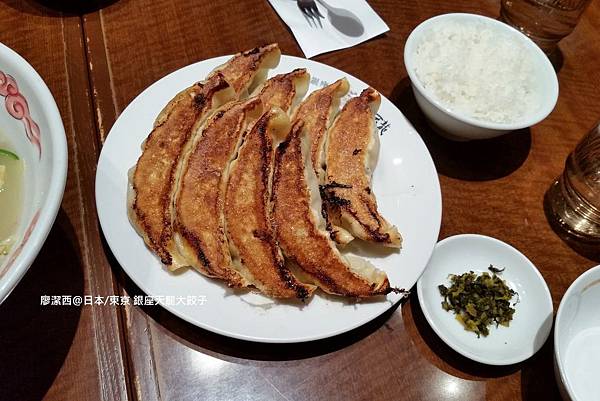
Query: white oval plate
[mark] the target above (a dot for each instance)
(405, 182)
(531, 322)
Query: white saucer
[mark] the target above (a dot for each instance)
(532, 320)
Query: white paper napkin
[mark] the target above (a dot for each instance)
(345, 23)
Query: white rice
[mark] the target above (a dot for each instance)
(478, 70)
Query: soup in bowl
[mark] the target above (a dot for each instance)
(11, 194)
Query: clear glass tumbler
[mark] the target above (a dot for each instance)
(546, 22)
(574, 198)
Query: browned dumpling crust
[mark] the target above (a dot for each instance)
(317, 112)
(199, 201)
(230, 185)
(248, 215)
(301, 233)
(154, 179)
(351, 155)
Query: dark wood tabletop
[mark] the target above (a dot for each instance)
(98, 58)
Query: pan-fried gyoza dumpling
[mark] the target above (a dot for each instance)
(199, 201)
(352, 149)
(317, 112)
(248, 216)
(284, 90)
(247, 70)
(300, 228)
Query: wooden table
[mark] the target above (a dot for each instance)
(95, 61)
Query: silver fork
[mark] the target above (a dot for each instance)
(311, 12)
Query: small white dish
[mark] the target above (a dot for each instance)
(531, 322)
(459, 126)
(30, 120)
(577, 339)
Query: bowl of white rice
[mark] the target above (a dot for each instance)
(475, 77)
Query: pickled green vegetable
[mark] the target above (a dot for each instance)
(479, 300)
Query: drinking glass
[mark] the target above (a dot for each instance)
(546, 22)
(574, 198)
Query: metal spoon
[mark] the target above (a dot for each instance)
(343, 20)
